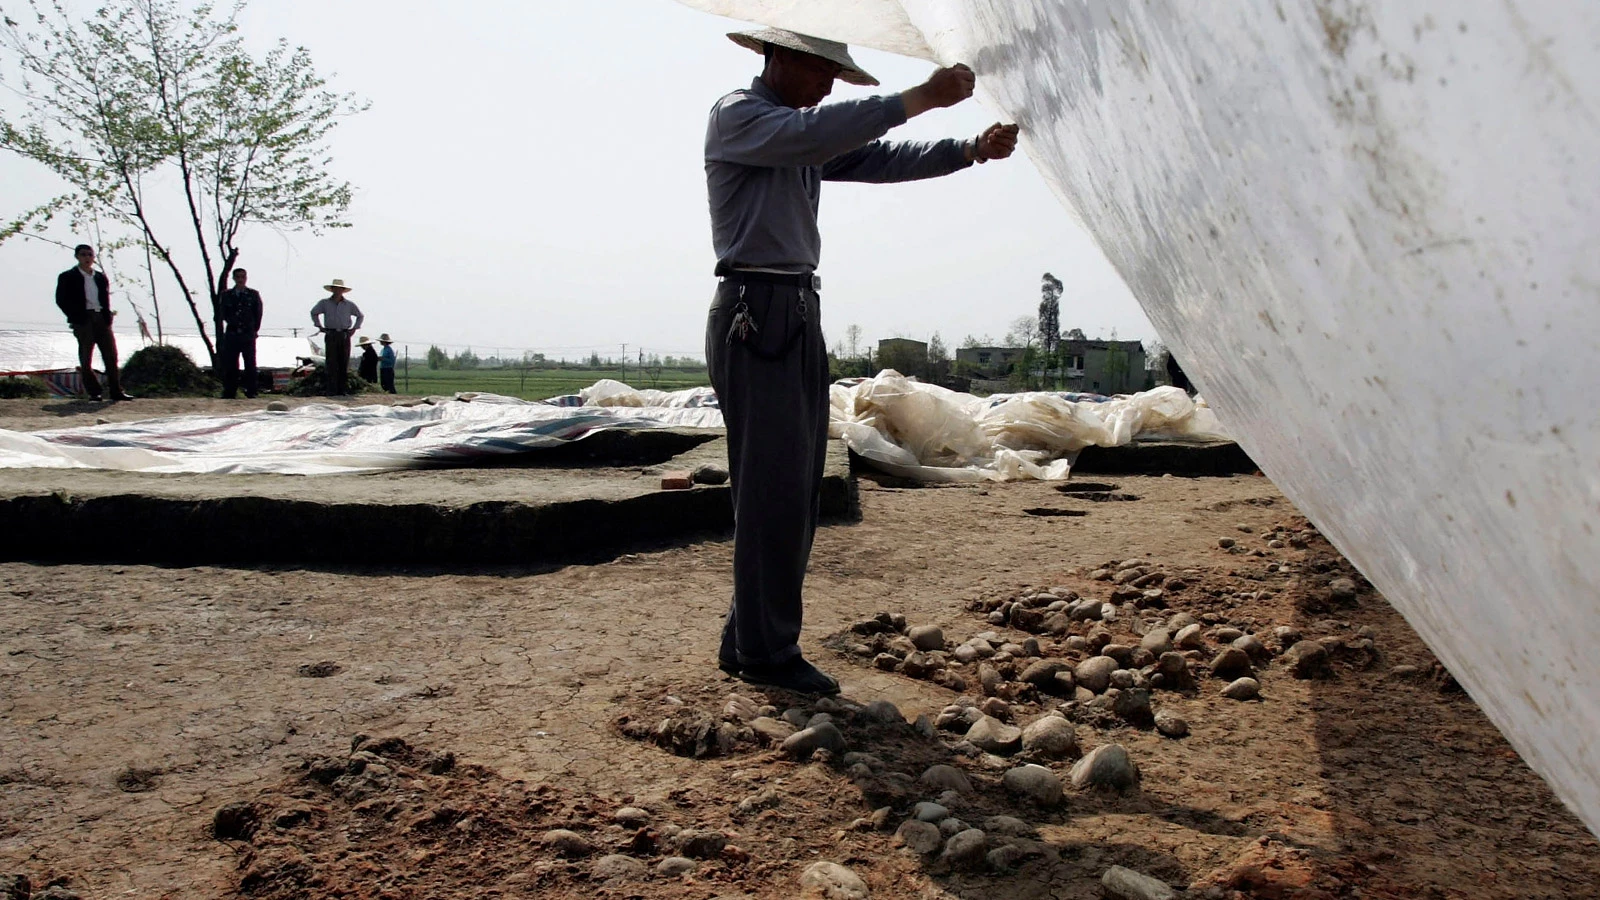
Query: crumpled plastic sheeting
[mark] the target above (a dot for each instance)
(1367, 230)
(610, 392)
(905, 427)
(325, 439)
(932, 433)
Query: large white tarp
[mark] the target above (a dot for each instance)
(1368, 230)
(328, 439)
(902, 425)
(931, 433)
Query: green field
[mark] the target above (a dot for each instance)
(538, 384)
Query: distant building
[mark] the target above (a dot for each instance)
(1091, 367)
(1103, 367)
(905, 356)
(989, 362)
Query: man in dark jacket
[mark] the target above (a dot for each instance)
(241, 321)
(84, 295)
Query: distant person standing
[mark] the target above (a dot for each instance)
(367, 368)
(386, 362)
(339, 318)
(84, 295)
(241, 322)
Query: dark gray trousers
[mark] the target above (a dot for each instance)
(772, 384)
(338, 361)
(93, 330)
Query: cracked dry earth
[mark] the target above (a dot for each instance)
(498, 733)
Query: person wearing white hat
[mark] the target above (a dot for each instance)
(367, 366)
(339, 319)
(768, 149)
(386, 363)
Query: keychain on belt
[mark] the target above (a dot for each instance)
(743, 323)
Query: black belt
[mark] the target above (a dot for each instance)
(800, 280)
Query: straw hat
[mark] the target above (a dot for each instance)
(384, 338)
(364, 341)
(833, 51)
(336, 285)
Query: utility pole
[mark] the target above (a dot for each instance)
(624, 362)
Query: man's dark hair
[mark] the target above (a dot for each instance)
(238, 272)
(766, 50)
(80, 248)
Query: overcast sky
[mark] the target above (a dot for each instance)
(529, 177)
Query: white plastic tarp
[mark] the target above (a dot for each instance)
(932, 433)
(323, 439)
(1368, 231)
(901, 425)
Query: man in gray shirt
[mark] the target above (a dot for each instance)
(339, 319)
(768, 150)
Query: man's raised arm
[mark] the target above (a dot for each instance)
(750, 131)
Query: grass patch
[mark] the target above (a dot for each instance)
(23, 387)
(538, 384)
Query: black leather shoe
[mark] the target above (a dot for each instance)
(119, 397)
(728, 666)
(94, 398)
(796, 675)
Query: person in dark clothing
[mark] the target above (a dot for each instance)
(1175, 376)
(386, 362)
(768, 149)
(367, 368)
(241, 322)
(84, 296)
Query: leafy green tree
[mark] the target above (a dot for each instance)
(148, 108)
(847, 367)
(1050, 312)
(1024, 375)
(938, 360)
(1118, 366)
(437, 358)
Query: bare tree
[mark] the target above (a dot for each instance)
(1024, 331)
(852, 342)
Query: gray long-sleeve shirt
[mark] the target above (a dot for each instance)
(337, 314)
(765, 164)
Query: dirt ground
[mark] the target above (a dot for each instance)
(419, 733)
